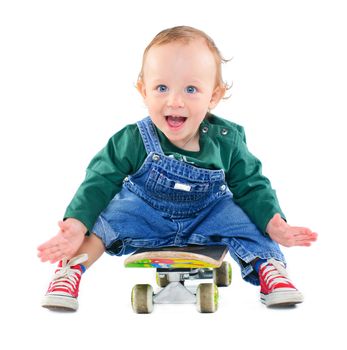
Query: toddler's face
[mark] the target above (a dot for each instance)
(179, 87)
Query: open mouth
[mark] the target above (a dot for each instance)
(175, 121)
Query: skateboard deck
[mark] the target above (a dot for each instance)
(178, 257)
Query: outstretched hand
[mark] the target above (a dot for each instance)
(65, 243)
(287, 235)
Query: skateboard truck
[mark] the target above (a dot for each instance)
(174, 292)
(175, 265)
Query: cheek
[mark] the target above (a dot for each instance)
(148, 102)
(152, 101)
(200, 104)
(154, 109)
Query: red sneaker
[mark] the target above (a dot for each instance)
(62, 292)
(276, 287)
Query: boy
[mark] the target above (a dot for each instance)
(180, 176)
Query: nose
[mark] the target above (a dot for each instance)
(175, 100)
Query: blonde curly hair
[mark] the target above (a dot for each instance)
(186, 34)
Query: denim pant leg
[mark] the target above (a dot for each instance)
(128, 223)
(225, 222)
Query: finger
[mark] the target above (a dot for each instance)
(44, 245)
(53, 250)
(307, 244)
(311, 237)
(42, 254)
(277, 219)
(315, 235)
(304, 235)
(47, 245)
(56, 240)
(56, 257)
(45, 257)
(297, 230)
(304, 241)
(290, 240)
(62, 225)
(50, 254)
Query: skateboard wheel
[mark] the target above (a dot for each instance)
(142, 298)
(161, 281)
(222, 275)
(207, 297)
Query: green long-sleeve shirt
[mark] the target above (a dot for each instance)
(222, 146)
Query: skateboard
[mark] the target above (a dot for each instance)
(176, 265)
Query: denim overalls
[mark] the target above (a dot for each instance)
(168, 202)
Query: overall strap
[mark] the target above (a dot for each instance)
(149, 136)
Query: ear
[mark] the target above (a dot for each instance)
(141, 88)
(216, 96)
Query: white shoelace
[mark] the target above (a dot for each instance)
(66, 277)
(275, 273)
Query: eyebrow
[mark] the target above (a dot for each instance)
(191, 81)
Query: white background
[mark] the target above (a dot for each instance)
(67, 75)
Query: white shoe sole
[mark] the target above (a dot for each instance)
(59, 302)
(285, 298)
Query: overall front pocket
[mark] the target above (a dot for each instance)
(163, 185)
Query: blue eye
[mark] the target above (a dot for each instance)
(191, 89)
(162, 88)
